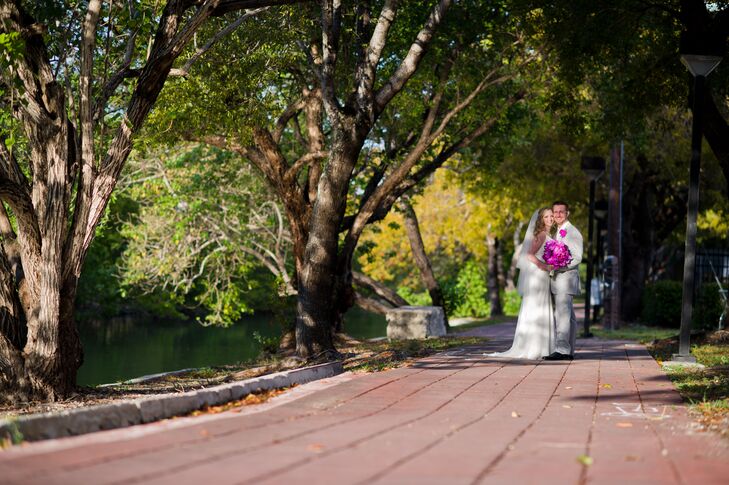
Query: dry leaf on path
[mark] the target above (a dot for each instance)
(585, 460)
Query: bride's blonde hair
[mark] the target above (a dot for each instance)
(539, 225)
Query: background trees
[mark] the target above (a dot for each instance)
(342, 108)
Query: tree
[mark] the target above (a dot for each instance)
(78, 90)
(421, 257)
(628, 50)
(205, 228)
(327, 152)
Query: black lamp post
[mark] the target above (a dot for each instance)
(601, 211)
(700, 66)
(593, 168)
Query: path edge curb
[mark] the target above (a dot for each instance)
(154, 408)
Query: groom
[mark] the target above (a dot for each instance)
(565, 284)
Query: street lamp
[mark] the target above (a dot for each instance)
(593, 167)
(699, 65)
(601, 212)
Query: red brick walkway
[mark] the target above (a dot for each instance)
(453, 418)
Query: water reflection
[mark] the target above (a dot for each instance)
(126, 347)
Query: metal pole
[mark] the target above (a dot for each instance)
(599, 258)
(614, 237)
(590, 262)
(689, 262)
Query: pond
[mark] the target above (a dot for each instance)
(127, 347)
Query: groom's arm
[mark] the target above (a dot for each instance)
(575, 245)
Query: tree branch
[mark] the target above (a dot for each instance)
(185, 69)
(293, 170)
(290, 111)
(225, 6)
(367, 70)
(378, 288)
(331, 25)
(410, 63)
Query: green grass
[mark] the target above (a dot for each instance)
(483, 322)
(641, 333)
(707, 389)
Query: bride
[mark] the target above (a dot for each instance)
(534, 337)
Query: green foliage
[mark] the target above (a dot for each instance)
(100, 292)
(709, 307)
(661, 305)
(269, 344)
(511, 302)
(202, 214)
(467, 296)
(661, 302)
(418, 299)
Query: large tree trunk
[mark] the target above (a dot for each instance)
(492, 244)
(412, 228)
(325, 282)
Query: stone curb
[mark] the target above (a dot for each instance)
(154, 408)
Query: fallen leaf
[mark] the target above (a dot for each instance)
(632, 458)
(315, 447)
(585, 460)
(204, 432)
(624, 425)
(566, 406)
(568, 387)
(514, 414)
(607, 386)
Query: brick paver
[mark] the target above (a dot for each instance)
(455, 418)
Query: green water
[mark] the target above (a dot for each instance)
(123, 348)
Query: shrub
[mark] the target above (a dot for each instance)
(661, 304)
(708, 307)
(468, 295)
(416, 299)
(511, 301)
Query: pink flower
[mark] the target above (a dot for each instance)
(562, 233)
(557, 254)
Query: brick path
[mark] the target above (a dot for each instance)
(449, 419)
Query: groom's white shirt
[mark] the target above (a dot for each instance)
(567, 281)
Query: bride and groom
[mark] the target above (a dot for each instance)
(547, 326)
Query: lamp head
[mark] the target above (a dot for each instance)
(593, 167)
(601, 208)
(701, 54)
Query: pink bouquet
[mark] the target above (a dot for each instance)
(557, 254)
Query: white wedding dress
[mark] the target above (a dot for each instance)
(534, 336)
